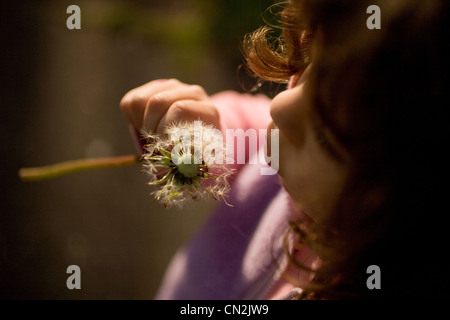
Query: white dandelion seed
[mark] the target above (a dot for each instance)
(180, 163)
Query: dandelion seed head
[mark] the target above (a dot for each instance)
(189, 170)
(175, 163)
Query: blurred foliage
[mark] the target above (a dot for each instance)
(230, 20)
(190, 28)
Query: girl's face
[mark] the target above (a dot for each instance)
(313, 166)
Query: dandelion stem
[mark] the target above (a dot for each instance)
(73, 166)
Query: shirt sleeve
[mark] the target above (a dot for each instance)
(242, 111)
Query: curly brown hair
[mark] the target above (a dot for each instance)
(384, 94)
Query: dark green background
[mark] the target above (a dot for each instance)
(60, 101)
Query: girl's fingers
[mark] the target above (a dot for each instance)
(134, 102)
(161, 103)
(190, 110)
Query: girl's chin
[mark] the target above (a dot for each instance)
(295, 206)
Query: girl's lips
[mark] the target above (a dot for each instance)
(270, 126)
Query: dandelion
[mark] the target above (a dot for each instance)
(180, 169)
(186, 163)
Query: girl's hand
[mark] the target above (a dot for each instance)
(158, 103)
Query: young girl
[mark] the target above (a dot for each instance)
(358, 208)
